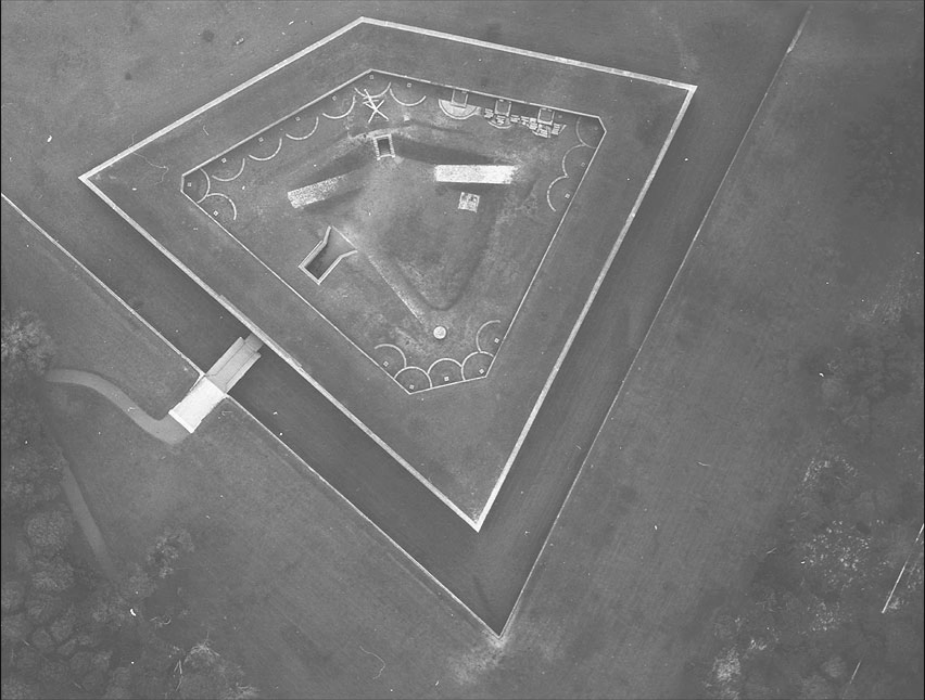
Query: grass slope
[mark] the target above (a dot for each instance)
(92, 330)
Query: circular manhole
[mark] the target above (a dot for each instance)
(439, 332)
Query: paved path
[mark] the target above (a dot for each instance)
(73, 493)
(87, 524)
(166, 429)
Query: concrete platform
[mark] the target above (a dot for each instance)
(197, 404)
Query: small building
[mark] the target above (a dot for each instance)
(468, 201)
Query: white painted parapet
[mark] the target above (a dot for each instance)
(479, 174)
(197, 404)
(212, 387)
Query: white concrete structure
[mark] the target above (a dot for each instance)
(319, 191)
(197, 404)
(208, 392)
(481, 174)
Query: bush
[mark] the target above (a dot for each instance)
(48, 530)
(23, 556)
(63, 627)
(80, 663)
(43, 608)
(136, 584)
(109, 607)
(53, 577)
(12, 595)
(16, 688)
(42, 641)
(208, 675)
(26, 350)
(166, 550)
(120, 683)
(25, 346)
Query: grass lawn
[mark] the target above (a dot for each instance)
(283, 578)
(719, 415)
(93, 331)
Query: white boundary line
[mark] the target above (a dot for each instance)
(391, 25)
(608, 416)
(260, 159)
(584, 311)
(365, 517)
(524, 52)
(509, 462)
(268, 127)
(258, 423)
(477, 523)
(902, 571)
(316, 251)
(221, 98)
(306, 136)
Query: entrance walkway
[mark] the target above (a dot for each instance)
(166, 429)
(208, 392)
(186, 416)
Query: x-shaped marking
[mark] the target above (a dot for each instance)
(374, 105)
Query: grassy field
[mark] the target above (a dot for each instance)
(274, 557)
(719, 415)
(92, 330)
(701, 445)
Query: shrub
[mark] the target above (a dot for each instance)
(53, 577)
(166, 550)
(16, 688)
(48, 530)
(15, 628)
(25, 346)
(12, 595)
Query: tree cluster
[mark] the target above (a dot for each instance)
(66, 630)
(26, 351)
(204, 673)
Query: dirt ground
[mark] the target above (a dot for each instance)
(694, 454)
